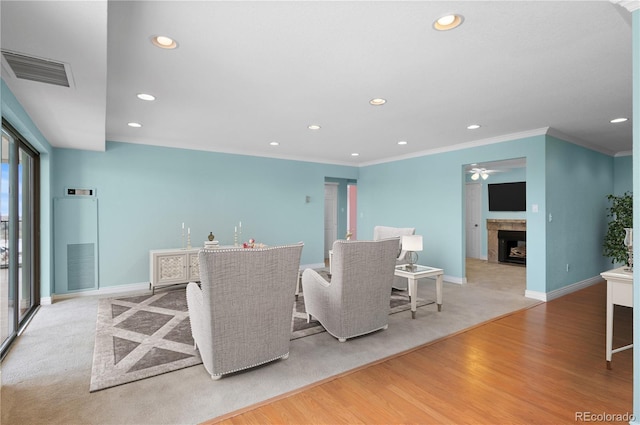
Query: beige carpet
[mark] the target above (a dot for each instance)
(147, 335)
(46, 375)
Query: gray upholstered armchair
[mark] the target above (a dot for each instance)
(356, 301)
(241, 314)
(384, 232)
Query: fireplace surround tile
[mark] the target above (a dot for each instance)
(493, 225)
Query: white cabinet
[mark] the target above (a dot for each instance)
(173, 267)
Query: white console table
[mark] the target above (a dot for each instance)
(620, 292)
(173, 267)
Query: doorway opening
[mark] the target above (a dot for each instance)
(340, 211)
(478, 250)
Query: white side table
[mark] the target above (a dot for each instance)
(620, 292)
(417, 272)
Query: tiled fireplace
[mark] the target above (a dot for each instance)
(512, 228)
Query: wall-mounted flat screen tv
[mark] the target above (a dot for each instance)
(508, 196)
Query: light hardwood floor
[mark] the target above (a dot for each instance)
(544, 365)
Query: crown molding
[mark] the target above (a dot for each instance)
(630, 5)
(577, 141)
(623, 153)
(488, 141)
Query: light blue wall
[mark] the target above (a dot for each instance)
(564, 180)
(578, 182)
(145, 193)
(15, 114)
(433, 202)
(622, 175)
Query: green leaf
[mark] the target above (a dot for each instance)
(621, 214)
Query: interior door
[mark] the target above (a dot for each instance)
(474, 217)
(352, 211)
(330, 216)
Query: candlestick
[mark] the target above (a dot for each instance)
(235, 236)
(189, 239)
(182, 238)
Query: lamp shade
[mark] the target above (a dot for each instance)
(412, 243)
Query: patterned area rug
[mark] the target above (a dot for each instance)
(143, 336)
(139, 337)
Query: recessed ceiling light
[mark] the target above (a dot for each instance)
(473, 126)
(145, 96)
(402, 142)
(164, 42)
(274, 143)
(355, 154)
(313, 127)
(617, 120)
(378, 101)
(134, 124)
(448, 22)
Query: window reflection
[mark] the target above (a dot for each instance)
(18, 245)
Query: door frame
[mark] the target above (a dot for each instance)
(476, 249)
(330, 235)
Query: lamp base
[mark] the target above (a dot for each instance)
(412, 259)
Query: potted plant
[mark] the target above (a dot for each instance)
(621, 214)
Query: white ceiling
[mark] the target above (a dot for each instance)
(249, 73)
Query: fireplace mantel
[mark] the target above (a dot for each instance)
(495, 224)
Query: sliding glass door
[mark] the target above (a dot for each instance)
(19, 279)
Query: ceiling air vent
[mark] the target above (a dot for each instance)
(36, 69)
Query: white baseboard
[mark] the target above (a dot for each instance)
(142, 286)
(557, 293)
(454, 279)
(540, 296)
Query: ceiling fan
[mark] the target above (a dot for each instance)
(476, 173)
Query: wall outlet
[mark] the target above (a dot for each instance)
(567, 266)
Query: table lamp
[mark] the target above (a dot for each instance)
(412, 244)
